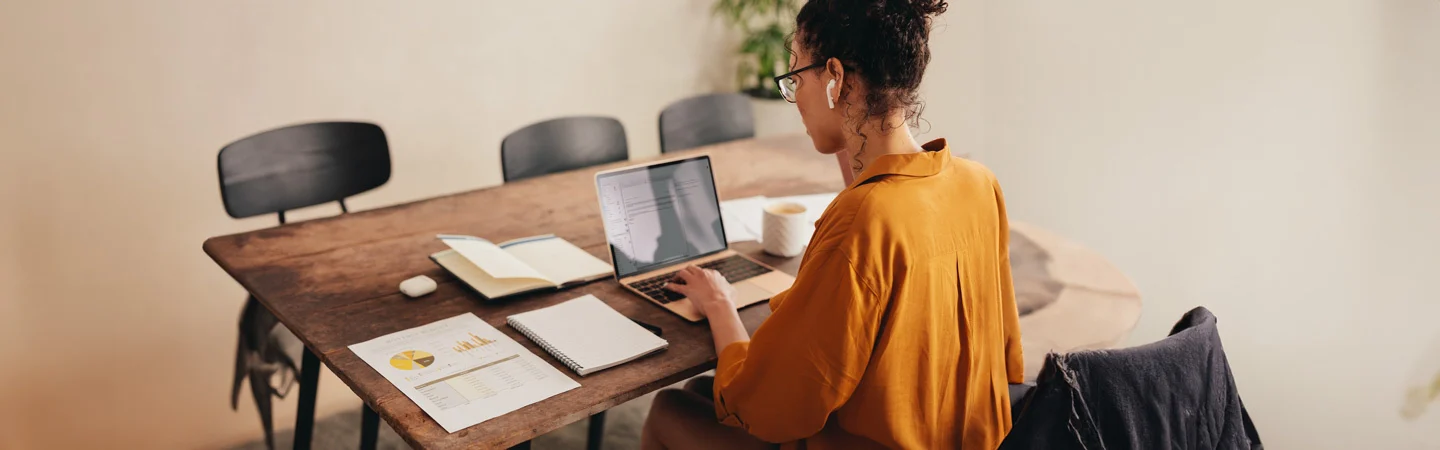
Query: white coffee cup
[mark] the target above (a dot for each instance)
(784, 232)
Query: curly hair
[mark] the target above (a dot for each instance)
(885, 42)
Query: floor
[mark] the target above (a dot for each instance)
(342, 431)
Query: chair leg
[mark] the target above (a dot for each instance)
(369, 428)
(305, 413)
(596, 436)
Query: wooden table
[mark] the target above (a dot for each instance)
(1070, 298)
(334, 281)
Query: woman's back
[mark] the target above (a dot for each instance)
(905, 360)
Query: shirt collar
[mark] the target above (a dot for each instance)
(920, 164)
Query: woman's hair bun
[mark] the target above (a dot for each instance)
(929, 7)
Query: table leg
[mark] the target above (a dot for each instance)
(305, 413)
(369, 428)
(521, 446)
(597, 431)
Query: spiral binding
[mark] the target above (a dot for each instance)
(545, 345)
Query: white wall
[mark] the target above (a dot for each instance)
(1273, 161)
(111, 117)
(953, 88)
(12, 332)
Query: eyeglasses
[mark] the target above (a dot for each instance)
(789, 82)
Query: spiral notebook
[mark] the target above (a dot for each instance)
(586, 335)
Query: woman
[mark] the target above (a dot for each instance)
(900, 330)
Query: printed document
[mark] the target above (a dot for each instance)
(462, 371)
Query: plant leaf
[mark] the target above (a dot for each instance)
(764, 25)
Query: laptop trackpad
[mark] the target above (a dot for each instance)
(773, 282)
(747, 293)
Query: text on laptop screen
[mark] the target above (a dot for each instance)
(660, 215)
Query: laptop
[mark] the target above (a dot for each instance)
(663, 216)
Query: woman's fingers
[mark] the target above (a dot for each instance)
(677, 287)
(686, 274)
(693, 278)
(715, 277)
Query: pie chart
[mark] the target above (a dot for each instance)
(411, 360)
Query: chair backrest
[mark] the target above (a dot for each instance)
(558, 145)
(302, 165)
(705, 120)
(1178, 392)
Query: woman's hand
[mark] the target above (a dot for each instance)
(706, 288)
(715, 298)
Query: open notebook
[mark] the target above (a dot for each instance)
(586, 334)
(515, 267)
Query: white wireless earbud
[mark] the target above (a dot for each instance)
(830, 93)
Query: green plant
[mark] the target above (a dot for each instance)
(766, 26)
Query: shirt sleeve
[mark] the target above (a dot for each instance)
(806, 359)
(1014, 354)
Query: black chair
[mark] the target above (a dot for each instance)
(278, 170)
(704, 120)
(558, 145)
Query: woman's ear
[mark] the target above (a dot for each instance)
(837, 76)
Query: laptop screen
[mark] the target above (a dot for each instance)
(660, 215)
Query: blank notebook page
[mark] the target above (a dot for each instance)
(586, 334)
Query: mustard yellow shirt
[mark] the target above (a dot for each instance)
(900, 330)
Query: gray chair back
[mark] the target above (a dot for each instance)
(705, 120)
(302, 165)
(558, 145)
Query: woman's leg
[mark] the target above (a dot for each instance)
(704, 386)
(685, 419)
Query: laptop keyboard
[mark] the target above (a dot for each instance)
(735, 269)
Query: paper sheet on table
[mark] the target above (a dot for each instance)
(462, 371)
(742, 218)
